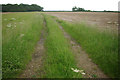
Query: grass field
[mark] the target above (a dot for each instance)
(21, 31)
(102, 46)
(59, 59)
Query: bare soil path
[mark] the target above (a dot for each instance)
(34, 68)
(83, 60)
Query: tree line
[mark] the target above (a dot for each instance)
(21, 8)
(78, 9)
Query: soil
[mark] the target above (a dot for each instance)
(83, 60)
(103, 20)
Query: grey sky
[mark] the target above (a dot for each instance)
(68, 4)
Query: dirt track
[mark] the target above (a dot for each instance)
(83, 59)
(35, 67)
(105, 20)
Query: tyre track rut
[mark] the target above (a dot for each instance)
(83, 60)
(35, 66)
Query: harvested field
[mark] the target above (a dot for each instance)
(100, 19)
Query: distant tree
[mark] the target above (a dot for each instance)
(20, 8)
(80, 9)
(74, 8)
(105, 11)
(88, 10)
(77, 9)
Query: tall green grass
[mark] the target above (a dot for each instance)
(19, 41)
(59, 58)
(102, 46)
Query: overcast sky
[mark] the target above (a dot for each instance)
(68, 4)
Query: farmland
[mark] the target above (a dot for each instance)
(60, 45)
(101, 20)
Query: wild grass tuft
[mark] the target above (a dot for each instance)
(102, 46)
